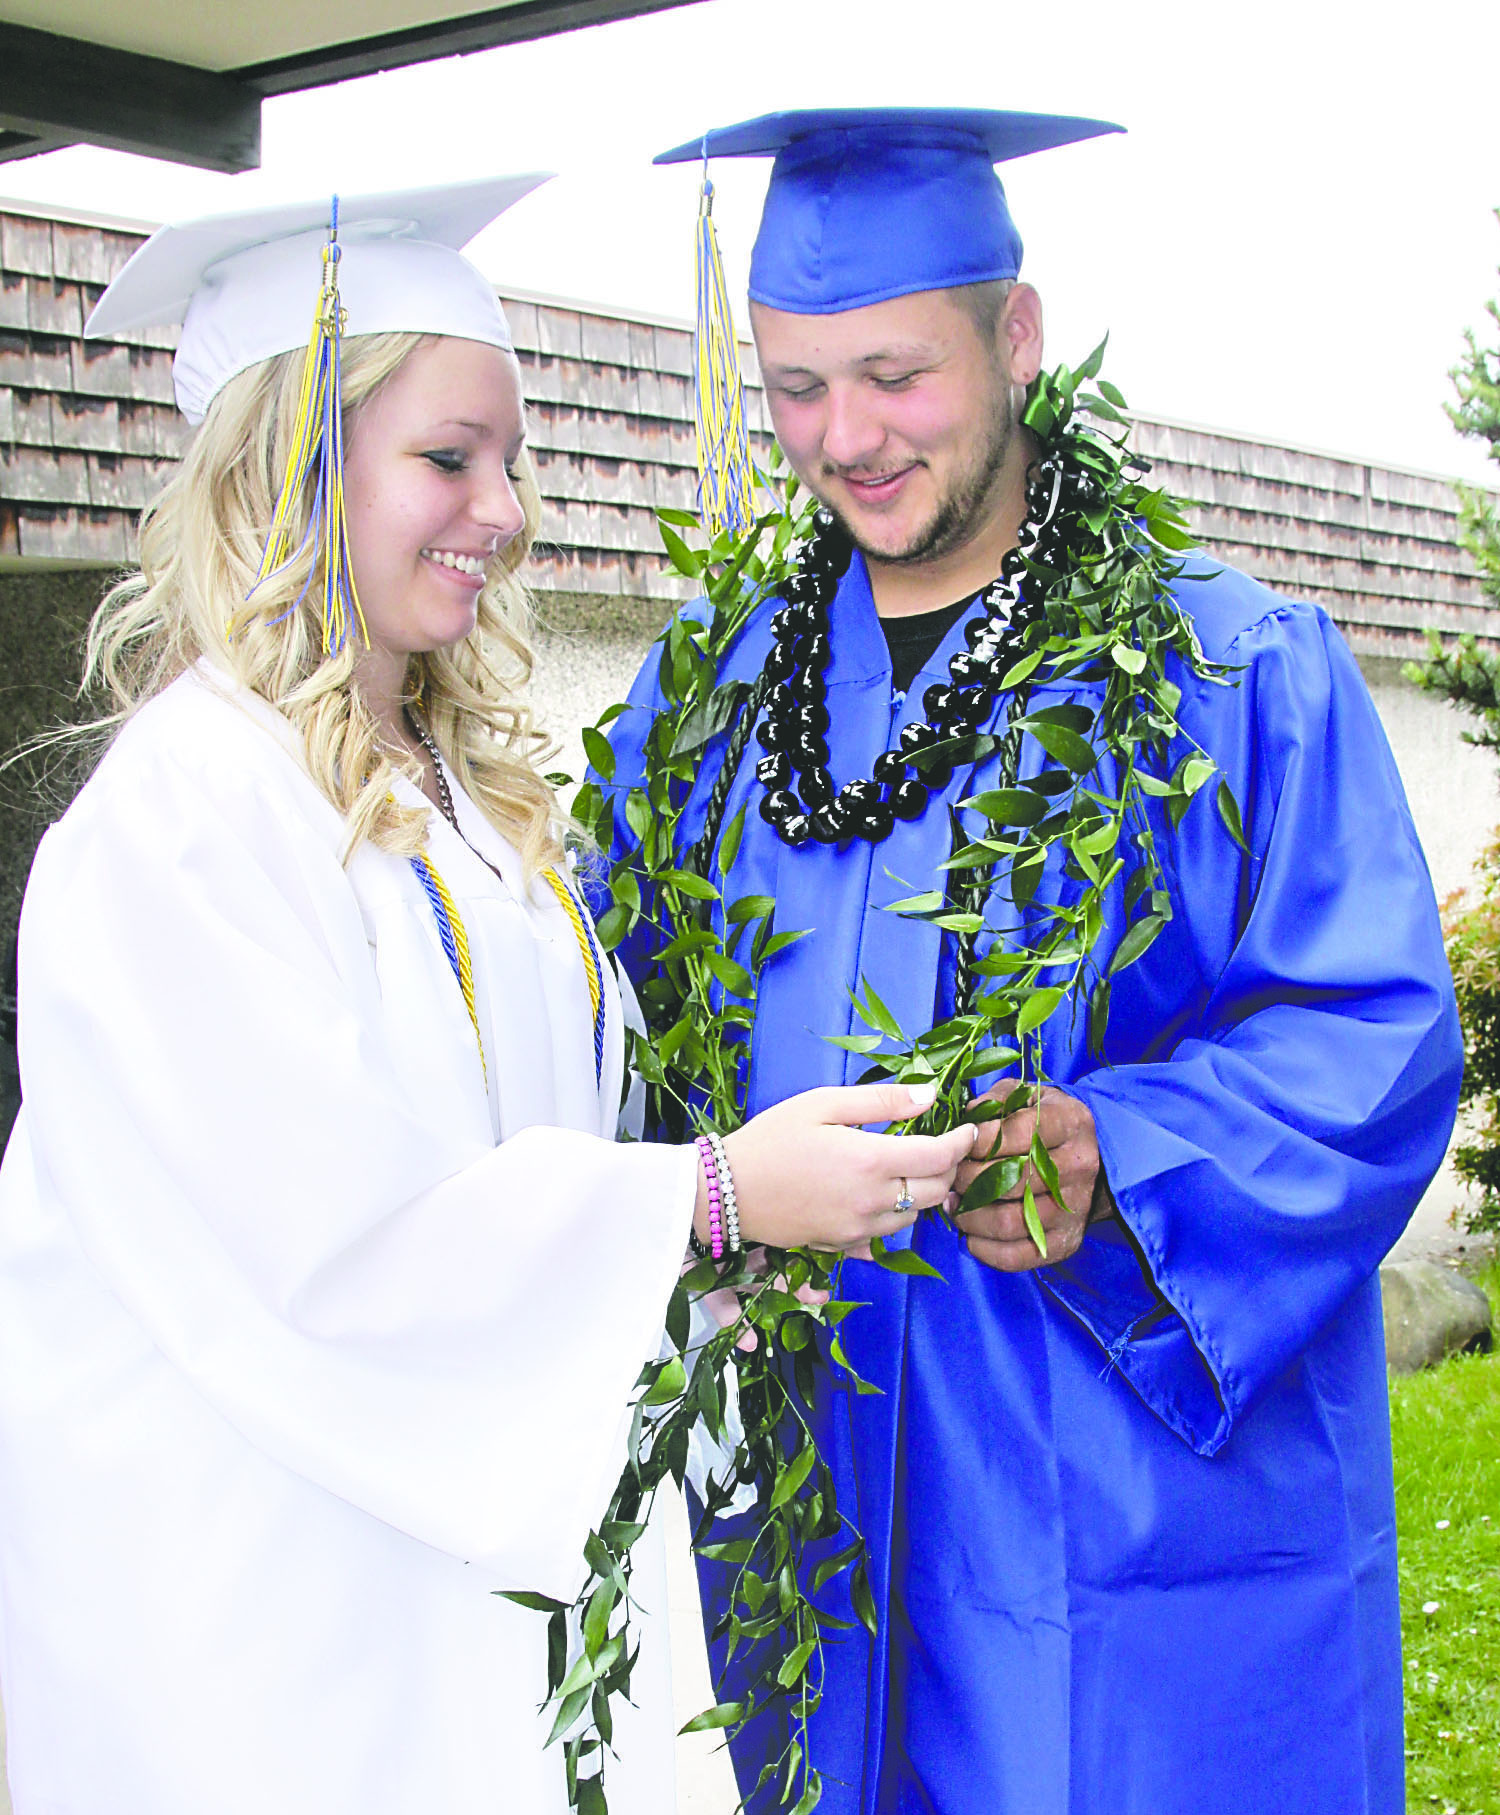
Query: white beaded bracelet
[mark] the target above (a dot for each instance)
(726, 1189)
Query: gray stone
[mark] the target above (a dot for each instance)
(1430, 1312)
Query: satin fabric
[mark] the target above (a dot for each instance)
(868, 203)
(313, 1331)
(1131, 1515)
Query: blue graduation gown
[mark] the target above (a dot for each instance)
(1131, 1515)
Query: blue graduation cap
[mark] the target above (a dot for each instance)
(867, 203)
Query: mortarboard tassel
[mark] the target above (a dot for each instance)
(318, 442)
(724, 472)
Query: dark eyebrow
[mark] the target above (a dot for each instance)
(904, 355)
(907, 355)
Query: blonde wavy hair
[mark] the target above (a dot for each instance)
(200, 548)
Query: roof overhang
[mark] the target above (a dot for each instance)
(186, 82)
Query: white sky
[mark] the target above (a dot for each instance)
(1290, 241)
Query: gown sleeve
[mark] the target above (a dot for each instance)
(440, 1331)
(1264, 1164)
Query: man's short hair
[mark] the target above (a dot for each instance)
(982, 303)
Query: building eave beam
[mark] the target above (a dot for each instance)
(59, 90)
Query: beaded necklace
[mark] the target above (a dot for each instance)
(801, 801)
(450, 924)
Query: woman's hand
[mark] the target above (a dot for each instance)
(807, 1175)
(724, 1305)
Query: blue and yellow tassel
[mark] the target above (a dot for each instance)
(318, 446)
(724, 473)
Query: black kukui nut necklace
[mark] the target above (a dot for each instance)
(800, 800)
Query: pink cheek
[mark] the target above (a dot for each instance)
(800, 428)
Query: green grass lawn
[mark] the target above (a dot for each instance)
(1446, 1431)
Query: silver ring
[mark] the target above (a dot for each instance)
(904, 1200)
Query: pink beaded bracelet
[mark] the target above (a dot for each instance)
(715, 1199)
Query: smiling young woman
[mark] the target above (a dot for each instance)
(325, 1284)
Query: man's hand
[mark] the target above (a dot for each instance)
(997, 1233)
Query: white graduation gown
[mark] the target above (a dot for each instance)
(310, 1336)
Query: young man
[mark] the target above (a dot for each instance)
(1129, 1503)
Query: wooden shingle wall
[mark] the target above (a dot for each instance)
(87, 431)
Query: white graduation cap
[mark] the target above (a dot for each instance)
(244, 285)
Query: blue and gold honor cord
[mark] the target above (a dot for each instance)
(455, 942)
(593, 963)
(454, 939)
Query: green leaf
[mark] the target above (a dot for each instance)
(732, 1550)
(707, 719)
(1033, 1220)
(684, 559)
(1095, 842)
(590, 1799)
(864, 1601)
(793, 1475)
(1098, 1016)
(613, 925)
(600, 752)
(625, 886)
(525, 1597)
(865, 1043)
(596, 1617)
(1046, 1167)
(750, 907)
(959, 923)
(1126, 656)
(988, 1059)
(997, 1180)
(1140, 935)
(926, 903)
(669, 1384)
(1037, 1007)
(902, 1260)
(1008, 806)
(811, 1796)
(696, 939)
(1229, 812)
(1026, 875)
(733, 976)
(874, 1013)
(722, 1714)
(729, 843)
(573, 1704)
(837, 1355)
(1067, 746)
(686, 883)
(1076, 718)
(778, 942)
(1195, 770)
(1020, 671)
(623, 1533)
(834, 1565)
(795, 1662)
(638, 814)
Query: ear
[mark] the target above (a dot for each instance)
(1020, 333)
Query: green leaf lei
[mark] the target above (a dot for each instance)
(1108, 617)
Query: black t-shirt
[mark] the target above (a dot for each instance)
(913, 639)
